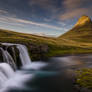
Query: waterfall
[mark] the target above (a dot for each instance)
(24, 56)
(14, 54)
(6, 72)
(23, 53)
(8, 58)
(7, 68)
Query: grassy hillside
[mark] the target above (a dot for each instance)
(11, 36)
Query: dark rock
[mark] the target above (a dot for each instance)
(38, 52)
(1, 57)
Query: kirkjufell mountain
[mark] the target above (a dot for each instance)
(84, 20)
(82, 30)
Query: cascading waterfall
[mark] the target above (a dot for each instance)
(7, 68)
(8, 58)
(23, 53)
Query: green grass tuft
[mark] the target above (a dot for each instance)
(84, 78)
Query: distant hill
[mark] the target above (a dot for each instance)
(17, 37)
(82, 30)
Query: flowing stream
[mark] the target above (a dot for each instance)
(54, 75)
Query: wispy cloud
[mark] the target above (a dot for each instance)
(3, 12)
(23, 22)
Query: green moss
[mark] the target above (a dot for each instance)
(84, 78)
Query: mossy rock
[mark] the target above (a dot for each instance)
(84, 78)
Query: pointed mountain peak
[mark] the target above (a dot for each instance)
(83, 20)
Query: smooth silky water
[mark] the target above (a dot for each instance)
(54, 75)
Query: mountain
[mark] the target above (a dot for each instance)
(82, 30)
(84, 20)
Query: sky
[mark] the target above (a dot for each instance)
(42, 17)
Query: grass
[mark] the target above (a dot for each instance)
(84, 78)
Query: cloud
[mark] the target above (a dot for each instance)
(76, 8)
(23, 22)
(61, 23)
(3, 12)
(74, 13)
